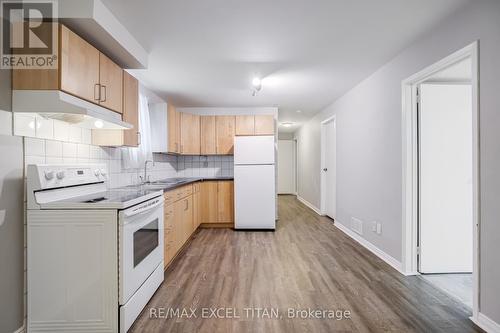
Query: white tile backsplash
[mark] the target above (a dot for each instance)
(61, 131)
(69, 150)
(82, 151)
(75, 134)
(53, 148)
(35, 147)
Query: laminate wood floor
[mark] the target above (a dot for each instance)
(306, 263)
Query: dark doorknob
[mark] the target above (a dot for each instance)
(325, 169)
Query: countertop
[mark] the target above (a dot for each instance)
(173, 183)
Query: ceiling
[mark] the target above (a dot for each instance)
(205, 53)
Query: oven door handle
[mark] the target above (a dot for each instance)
(143, 208)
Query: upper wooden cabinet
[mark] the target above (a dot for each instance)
(79, 66)
(190, 134)
(110, 84)
(131, 137)
(225, 131)
(264, 125)
(208, 137)
(174, 129)
(245, 125)
(83, 72)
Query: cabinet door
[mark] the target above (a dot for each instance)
(111, 81)
(245, 125)
(169, 234)
(190, 134)
(225, 130)
(208, 190)
(79, 66)
(131, 109)
(225, 202)
(178, 228)
(187, 218)
(208, 139)
(173, 125)
(196, 210)
(264, 125)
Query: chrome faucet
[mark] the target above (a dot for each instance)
(145, 180)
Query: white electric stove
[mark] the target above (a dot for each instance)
(95, 256)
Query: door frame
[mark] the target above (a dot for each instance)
(410, 164)
(323, 162)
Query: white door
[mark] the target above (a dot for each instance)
(329, 167)
(286, 167)
(445, 157)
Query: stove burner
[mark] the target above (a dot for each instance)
(95, 200)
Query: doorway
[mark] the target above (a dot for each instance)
(329, 167)
(440, 176)
(287, 167)
(445, 225)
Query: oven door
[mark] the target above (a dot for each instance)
(140, 245)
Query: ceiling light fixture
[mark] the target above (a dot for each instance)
(287, 124)
(299, 111)
(98, 124)
(257, 85)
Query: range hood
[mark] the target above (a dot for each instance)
(56, 104)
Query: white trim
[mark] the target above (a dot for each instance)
(410, 160)
(323, 161)
(310, 205)
(394, 263)
(486, 323)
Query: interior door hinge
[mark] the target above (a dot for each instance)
(418, 249)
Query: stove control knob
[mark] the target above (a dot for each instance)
(49, 175)
(61, 175)
(97, 172)
(103, 172)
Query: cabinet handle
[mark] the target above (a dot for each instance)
(105, 93)
(97, 94)
(139, 138)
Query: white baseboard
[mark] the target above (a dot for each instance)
(372, 248)
(308, 204)
(486, 323)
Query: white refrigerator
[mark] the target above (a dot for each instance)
(254, 182)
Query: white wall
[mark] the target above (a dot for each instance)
(369, 161)
(11, 215)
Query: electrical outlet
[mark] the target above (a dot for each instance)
(379, 228)
(374, 226)
(357, 225)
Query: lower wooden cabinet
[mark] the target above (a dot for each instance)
(217, 202)
(179, 222)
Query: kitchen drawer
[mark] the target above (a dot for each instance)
(184, 191)
(170, 197)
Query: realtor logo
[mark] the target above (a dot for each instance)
(29, 34)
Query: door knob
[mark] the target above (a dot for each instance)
(325, 169)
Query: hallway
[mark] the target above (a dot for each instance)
(305, 263)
